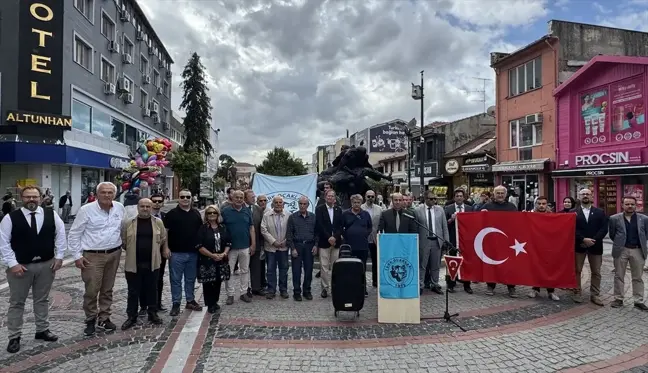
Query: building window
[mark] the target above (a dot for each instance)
(107, 71)
(117, 133)
(81, 116)
(524, 135)
(144, 65)
(165, 88)
(131, 137)
(131, 84)
(525, 77)
(400, 166)
(101, 123)
(143, 99)
(107, 26)
(86, 7)
(165, 115)
(82, 53)
(128, 47)
(156, 78)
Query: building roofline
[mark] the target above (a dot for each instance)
(595, 61)
(146, 22)
(593, 25)
(435, 125)
(489, 135)
(525, 48)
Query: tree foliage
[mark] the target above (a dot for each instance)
(197, 106)
(279, 162)
(188, 165)
(219, 182)
(226, 163)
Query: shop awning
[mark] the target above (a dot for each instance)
(521, 166)
(603, 171)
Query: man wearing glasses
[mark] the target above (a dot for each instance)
(158, 202)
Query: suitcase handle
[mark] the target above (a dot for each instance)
(345, 251)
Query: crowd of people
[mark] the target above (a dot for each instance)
(250, 245)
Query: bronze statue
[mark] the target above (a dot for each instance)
(348, 174)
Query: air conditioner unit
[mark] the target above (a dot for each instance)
(140, 35)
(166, 126)
(125, 16)
(168, 73)
(159, 90)
(156, 119)
(129, 99)
(113, 46)
(109, 88)
(146, 79)
(146, 112)
(160, 64)
(127, 58)
(154, 107)
(533, 118)
(124, 85)
(150, 50)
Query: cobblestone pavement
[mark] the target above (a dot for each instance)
(504, 335)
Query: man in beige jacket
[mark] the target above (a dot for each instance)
(273, 229)
(144, 239)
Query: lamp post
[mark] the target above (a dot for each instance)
(417, 94)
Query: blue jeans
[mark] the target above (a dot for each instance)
(183, 264)
(274, 260)
(303, 260)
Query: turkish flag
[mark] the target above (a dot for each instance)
(518, 248)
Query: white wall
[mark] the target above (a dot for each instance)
(75, 189)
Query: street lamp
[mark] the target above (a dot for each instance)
(408, 132)
(417, 94)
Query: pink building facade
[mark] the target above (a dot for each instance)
(601, 137)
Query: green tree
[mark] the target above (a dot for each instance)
(188, 165)
(219, 182)
(279, 162)
(197, 106)
(226, 163)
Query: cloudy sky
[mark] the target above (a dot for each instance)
(299, 73)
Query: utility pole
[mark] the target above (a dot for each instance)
(418, 94)
(482, 92)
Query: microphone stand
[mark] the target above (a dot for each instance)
(431, 236)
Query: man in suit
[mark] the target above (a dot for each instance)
(394, 221)
(591, 228)
(273, 229)
(434, 219)
(256, 280)
(157, 200)
(328, 229)
(628, 232)
(459, 205)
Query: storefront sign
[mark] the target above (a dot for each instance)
(476, 160)
(452, 166)
(477, 168)
(485, 179)
(628, 111)
(598, 172)
(430, 169)
(608, 158)
(16, 117)
(520, 166)
(40, 59)
(119, 163)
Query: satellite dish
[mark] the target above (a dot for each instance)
(491, 111)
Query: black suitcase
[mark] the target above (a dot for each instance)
(348, 283)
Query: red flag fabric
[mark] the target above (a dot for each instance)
(518, 248)
(453, 263)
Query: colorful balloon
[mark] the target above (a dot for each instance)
(143, 184)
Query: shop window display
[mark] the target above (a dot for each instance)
(522, 190)
(635, 186)
(607, 195)
(89, 182)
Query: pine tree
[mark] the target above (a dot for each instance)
(197, 106)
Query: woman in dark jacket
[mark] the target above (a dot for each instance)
(568, 204)
(214, 243)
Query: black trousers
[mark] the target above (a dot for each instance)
(142, 283)
(373, 250)
(160, 286)
(211, 292)
(257, 272)
(549, 290)
(492, 285)
(362, 255)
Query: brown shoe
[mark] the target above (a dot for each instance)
(596, 300)
(194, 306)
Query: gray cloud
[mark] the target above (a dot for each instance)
(298, 74)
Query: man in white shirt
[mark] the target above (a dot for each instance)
(95, 243)
(374, 211)
(32, 245)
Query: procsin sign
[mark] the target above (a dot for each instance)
(40, 60)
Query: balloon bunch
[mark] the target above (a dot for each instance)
(147, 163)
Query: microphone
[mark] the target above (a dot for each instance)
(431, 234)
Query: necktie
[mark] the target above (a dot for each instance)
(430, 223)
(397, 220)
(34, 226)
(460, 208)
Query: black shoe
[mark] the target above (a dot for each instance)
(194, 306)
(107, 325)
(284, 295)
(641, 306)
(90, 328)
(468, 289)
(213, 309)
(297, 297)
(154, 319)
(437, 289)
(129, 323)
(14, 345)
(249, 293)
(616, 303)
(324, 293)
(142, 312)
(260, 293)
(175, 309)
(318, 274)
(160, 307)
(308, 296)
(46, 336)
(450, 290)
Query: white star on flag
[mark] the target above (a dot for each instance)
(519, 247)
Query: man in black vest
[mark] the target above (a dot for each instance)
(32, 244)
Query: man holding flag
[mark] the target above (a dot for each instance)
(541, 207)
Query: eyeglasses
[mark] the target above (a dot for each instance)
(185, 197)
(157, 201)
(303, 204)
(370, 196)
(263, 200)
(432, 198)
(212, 213)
